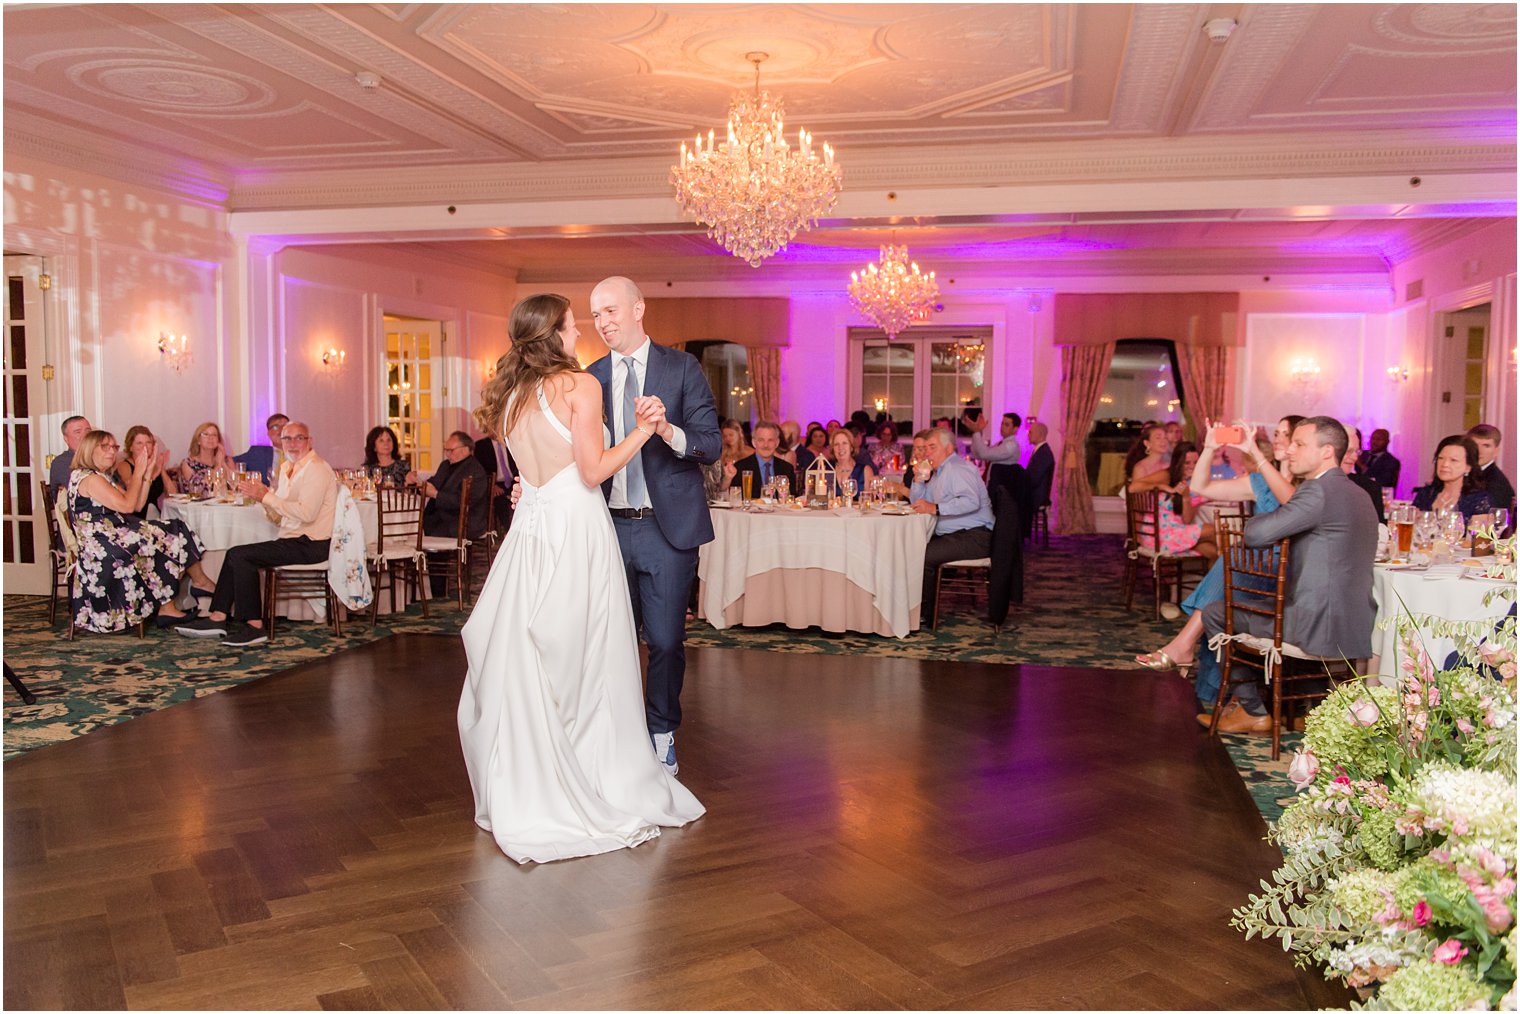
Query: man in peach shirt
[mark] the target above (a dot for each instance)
(303, 503)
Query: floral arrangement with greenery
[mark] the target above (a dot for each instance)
(1399, 854)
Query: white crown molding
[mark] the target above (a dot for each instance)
(34, 137)
(994, 165)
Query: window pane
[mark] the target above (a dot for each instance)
(23, 433)
(10, 544)
(24, 535)
(23, 497)
(18, 347)
(18, 305)
(19, 405)
(1474, 379)
(1475, 343)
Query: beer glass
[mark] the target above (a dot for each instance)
(1404, 525)
(747, 482)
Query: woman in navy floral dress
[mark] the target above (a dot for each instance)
(128, 568)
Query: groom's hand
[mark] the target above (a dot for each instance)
(662, 427)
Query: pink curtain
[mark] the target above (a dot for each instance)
(1084, 370)
(765, 378)
(1204, 368)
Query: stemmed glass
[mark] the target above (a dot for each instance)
(848, 488)
(783, 488)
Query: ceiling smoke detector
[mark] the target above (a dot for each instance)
(367, 79)
(1219, 29)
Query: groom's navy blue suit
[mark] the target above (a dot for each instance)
(660, 552)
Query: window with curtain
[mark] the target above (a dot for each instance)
(1143, 386)
(726, 366)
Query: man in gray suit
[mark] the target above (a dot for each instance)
(1329, 608)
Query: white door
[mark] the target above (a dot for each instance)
(28, 570)
(414, 392)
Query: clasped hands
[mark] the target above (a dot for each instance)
(649, 416)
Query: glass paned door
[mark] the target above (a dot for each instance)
(886, 379)
(413, 349)
(27, 566)
(921, 376)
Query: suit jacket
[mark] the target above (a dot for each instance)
(1382, 466)
(779, 466)
(258, 458)
(1329, 608)
(1369, 484)
(441, 515)
(1040, 471)
(1501, 492)
(674, 481)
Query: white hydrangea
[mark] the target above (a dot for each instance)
(1466, 803)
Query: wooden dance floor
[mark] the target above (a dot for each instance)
(881, 833)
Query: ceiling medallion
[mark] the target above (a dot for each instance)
(893, 293)
(754, 192)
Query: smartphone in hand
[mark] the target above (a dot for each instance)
(1229, 435)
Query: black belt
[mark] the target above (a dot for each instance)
(637, 513)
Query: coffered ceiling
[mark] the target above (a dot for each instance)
(300, 108)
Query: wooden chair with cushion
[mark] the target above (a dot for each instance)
(59, 553)
(1000, 575)
(457, 544)
(1143, 521)
(304, 580)
(1255, 582)
(61, 522)
(397, 551)
(483, 550)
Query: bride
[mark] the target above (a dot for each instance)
(552, 716)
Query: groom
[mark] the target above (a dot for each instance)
(658, 502)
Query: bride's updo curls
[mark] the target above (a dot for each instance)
(536, 354)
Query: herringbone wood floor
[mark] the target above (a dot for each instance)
(881, 833)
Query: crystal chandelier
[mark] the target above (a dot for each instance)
(753, 191)
(892, 293)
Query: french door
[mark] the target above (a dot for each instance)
(412, 388)
(922, 375)
(28, 570)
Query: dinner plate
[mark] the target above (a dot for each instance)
(719, 504)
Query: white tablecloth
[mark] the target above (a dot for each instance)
(1440, 593)
(881, 555)
(221, 526)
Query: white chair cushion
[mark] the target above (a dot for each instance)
(1263, 645)
(1155, 554)
(319, 565)
(439, 544)
(392, 551)
(985, 562)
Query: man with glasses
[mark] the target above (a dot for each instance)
(303, 504)
(445, 491)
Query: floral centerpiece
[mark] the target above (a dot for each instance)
(1399, 854)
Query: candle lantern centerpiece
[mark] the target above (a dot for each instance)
(818, 481)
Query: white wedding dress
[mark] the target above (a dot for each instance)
(552, 715)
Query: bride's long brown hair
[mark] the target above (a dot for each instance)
(535, 355)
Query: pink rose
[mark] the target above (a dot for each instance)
(1492, 864)
(1493, 654)
(1422, 913)
(1364, 712)
(1449, 953)
(1495, 909)
(1303, 769)
(1465, 727)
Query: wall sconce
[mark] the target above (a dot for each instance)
(1398, 374)
(332, 359)
(174, 350)
(1304, 372)
(880, 403)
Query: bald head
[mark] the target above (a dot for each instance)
(617, 310)
(1038, 432)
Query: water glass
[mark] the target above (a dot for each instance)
(783, 488)
(1501, 521)
(848, 488)
(768, 493)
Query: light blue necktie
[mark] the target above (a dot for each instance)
(765, 471)
(635, 469)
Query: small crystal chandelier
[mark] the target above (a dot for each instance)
(893, 293)
(753, 191)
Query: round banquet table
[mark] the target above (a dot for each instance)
(834, 569)
(1441, 592)
(220, 526)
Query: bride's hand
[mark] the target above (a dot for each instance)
(649, 412)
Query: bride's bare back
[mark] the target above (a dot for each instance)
(541, 451)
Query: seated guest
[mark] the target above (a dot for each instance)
(380, 452)
(1145, 467)
(1329, 609)
(1500, 490)
(1262, 482)
(127, 567)
(1173, 438)
(445, 492)
(498, 466)
(846, 448)
(1006, 450)
(791, 436)
(765, 463)
(1348, 465)
(1455, 485)
(1378, 463)
(946, 423)
(207, 455)
(1178, 526)
(1221, 466)
(887, 449)
(74, 428)
(265, 459)
(140, 440)
(303, 503)
(949, 487)
(814, 446)
(895, 488)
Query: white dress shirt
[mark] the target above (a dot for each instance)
(1004, 452)
(619, 497)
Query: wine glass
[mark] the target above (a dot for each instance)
(848, 487)
(783, 488)
(1501, 521)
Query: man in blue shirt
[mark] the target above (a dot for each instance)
(949, 487)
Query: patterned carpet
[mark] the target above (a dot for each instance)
(1074, 616)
